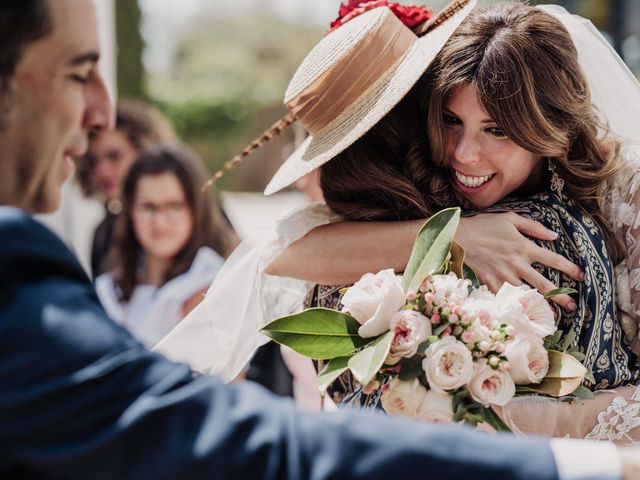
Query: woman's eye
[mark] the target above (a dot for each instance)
(450, 120)
(496, 132)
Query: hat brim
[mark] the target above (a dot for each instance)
(369, 109)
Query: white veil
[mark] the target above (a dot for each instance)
(615, 91)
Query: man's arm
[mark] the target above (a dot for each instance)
(82, 399)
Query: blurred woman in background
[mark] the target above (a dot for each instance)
(111, 154)
(170, 241)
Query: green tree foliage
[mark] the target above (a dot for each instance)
(130, 45)
(226, 84)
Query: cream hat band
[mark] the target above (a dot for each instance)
(353, 77)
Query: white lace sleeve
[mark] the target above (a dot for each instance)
(221, 334)
(622, 206)
(613, 415)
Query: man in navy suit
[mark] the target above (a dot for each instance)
(80, 398)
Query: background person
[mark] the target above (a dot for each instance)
(170, 241)
(111, 153)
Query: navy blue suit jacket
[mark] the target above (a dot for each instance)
(80, 398)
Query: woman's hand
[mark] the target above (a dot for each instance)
(497, 251)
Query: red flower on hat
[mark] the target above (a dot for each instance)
(411, 16)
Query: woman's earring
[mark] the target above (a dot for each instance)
(557, 183)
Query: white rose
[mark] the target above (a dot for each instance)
(483, 311)
(528, 359)
(491, 387)
(448, 289)
(448, 364)
(436, 407)
(540, 315)
(481, 293)
(373, 300)
(403, 398)
(410, 329)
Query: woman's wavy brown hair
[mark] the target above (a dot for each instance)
(387, 174)
(210, 226)
(525, 68)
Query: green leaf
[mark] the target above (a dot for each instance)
(411, 368)
(459, 400)
(473, 419)
(439, 329)
(431, 248)
(524, 390)
(318, 333)
(589, 376)
(424, 345)
(493, 419)
(551, 342)
(331, 371)
(559, 291)
(365, 364)
(583, 392)
(459, 413)
(577, 355)
(568, 340)
(469, 274)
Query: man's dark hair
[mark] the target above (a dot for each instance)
(21, 22)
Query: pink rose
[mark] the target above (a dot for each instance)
(403, 398)
(528, 359)
(448, 289)
(448, 364)
(491, 387)
(527, 310)
(410, 329)
(436, 407)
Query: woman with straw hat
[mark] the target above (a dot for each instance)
(373, 52)
(350, 123)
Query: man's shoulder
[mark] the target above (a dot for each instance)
(28, 247)
(15, 224)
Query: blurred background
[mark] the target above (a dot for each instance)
(219, 68)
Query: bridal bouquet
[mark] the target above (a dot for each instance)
(441, 347)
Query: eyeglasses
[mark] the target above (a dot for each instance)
(171, 211)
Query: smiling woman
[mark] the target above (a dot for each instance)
(488, 165)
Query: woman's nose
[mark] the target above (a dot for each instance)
(466, 149)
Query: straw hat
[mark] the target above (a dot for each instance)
(353, 77)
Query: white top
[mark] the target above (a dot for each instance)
(586, 460)
(152, 312)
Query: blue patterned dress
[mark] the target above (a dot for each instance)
(598, 333)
